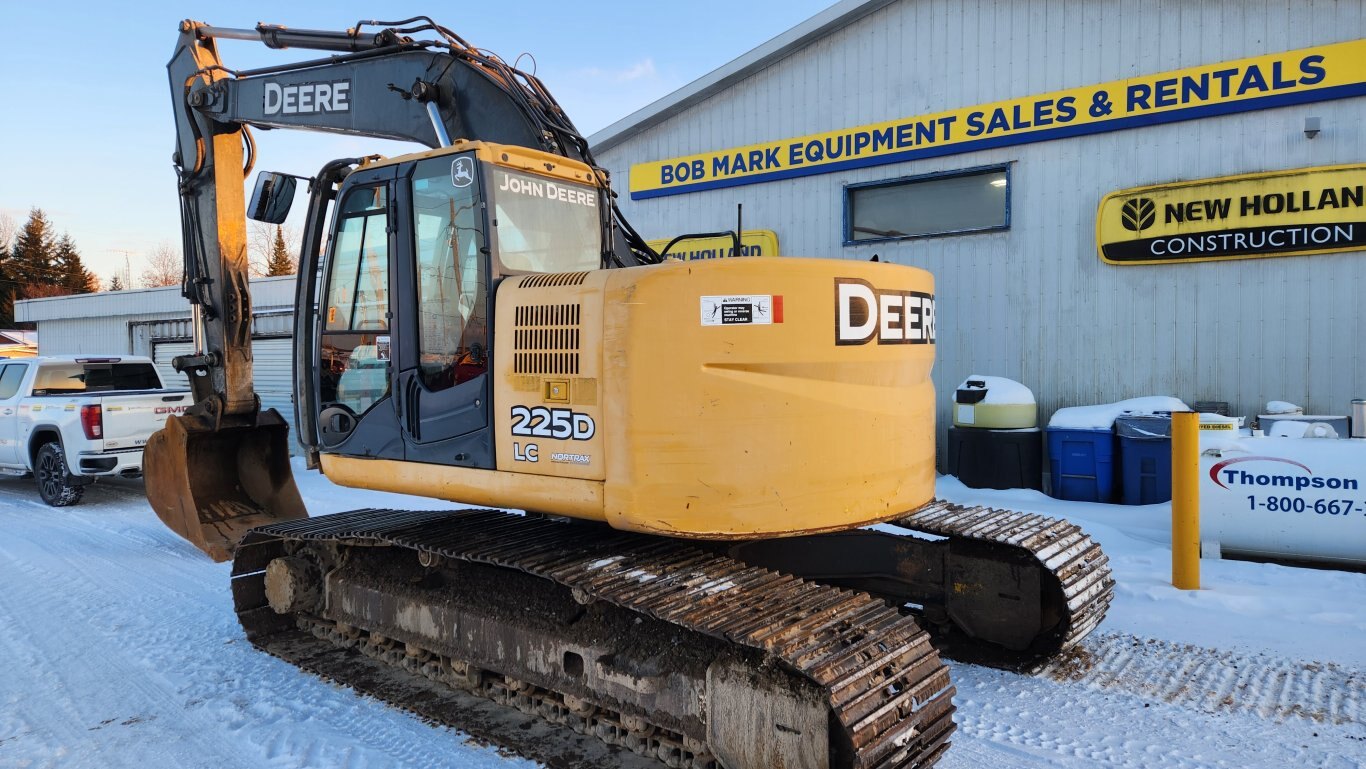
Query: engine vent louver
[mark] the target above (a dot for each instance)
(546, 339)
(553, 280)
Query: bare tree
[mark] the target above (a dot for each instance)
(164, 267)
(8, 229)
(261, 245)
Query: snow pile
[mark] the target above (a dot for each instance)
(1282, 407)
(1103, 417)
(1000, 391)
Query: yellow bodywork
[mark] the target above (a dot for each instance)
(771, 424)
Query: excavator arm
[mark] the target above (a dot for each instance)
(223, 467)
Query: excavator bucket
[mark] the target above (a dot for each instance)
(211, 485)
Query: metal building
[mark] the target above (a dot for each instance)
(156, 322)
(888, 90)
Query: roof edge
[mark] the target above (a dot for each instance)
(152, 300)
(834, 18)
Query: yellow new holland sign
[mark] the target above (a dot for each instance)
(1280, 213)
(752, 243)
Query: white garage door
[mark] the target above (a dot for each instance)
(273, 370)
(162, 353)
(272, 367)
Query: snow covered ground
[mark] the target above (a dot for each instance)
(118, 648)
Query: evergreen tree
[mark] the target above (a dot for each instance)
(32, 263)
(6, 288)
(116, 282)
(279, 262)
(71, 271)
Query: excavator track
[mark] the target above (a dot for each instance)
(803, 675)
(994, 587)
(1081, 579)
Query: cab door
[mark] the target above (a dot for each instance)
(357, 415)
(444, 332)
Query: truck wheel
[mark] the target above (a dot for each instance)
(55, 484)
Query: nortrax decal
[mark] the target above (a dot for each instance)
(1222, 475)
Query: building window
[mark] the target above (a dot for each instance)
(946, 203)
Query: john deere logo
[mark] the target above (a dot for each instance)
(1138, 214)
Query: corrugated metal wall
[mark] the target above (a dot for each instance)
(1035, 303)
(95, 336)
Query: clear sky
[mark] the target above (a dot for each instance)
(86, 130)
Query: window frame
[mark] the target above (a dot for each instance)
(847, 225)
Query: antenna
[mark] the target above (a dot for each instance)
(127, 267)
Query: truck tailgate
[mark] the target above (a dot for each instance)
(130, 419)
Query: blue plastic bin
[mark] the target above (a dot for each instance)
(1145, 459)
(1082, 464)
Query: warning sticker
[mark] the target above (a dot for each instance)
(748, 309)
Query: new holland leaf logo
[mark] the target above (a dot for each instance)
(1138, 214)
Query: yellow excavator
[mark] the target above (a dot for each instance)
(694, 454)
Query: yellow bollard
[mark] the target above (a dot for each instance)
(1186, 500)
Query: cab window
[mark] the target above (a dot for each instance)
(452, 273)
(545, 224)
(354, 355)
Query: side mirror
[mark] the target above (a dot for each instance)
(271, 199)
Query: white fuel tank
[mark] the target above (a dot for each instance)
(1284, 497)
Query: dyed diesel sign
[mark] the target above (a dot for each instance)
(1294, 77)
(1282, 213)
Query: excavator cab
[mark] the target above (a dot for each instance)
(394, 338)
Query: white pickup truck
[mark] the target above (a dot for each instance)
(69, 420)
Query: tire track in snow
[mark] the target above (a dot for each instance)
(1214, 680)
(83, 672)
(161, 632)
(1010, 720)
